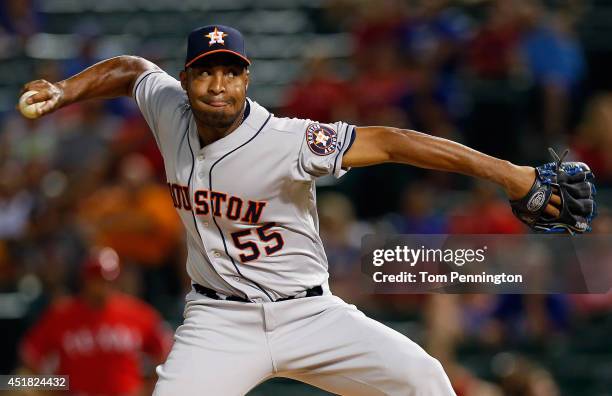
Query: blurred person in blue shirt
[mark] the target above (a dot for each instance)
(554, 59)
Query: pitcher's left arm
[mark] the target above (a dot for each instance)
(375, 145)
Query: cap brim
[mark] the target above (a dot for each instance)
(204, 54)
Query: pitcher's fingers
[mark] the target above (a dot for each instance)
(48, 106)
(555, 199)
(26, 87)
(41, 96)
(35, 85)
(552, 211)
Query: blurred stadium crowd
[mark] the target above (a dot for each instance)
(509, 78)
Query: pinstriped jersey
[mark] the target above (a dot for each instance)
(247, 201)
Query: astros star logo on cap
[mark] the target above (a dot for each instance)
(213, 39)
(216, 36)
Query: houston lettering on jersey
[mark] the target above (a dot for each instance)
(221, 204)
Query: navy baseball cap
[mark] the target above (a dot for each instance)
(213, 39)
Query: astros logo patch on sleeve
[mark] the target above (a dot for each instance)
(321, 139)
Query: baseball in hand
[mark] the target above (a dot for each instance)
(29, 110)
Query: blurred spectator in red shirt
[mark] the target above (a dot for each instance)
(319, 95)
(376, 23)
(97, 337)
(382, 78)
(485, 213)
(492, 53)
(381, 83)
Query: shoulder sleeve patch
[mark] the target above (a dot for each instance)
(322, 140)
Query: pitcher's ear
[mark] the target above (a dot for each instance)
(183, 77)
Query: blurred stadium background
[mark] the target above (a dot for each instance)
(508, 77)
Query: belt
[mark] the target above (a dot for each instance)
(313, 292)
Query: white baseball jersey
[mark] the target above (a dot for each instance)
(248, 204)
(247, 200)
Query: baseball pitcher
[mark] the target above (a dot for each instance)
(242, 181)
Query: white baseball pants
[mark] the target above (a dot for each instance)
(226, 348)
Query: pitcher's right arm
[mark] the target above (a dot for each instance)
(107, 79)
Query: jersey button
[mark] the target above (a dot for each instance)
(217, 254)
(237, 278)
(205, 224)
(201, 157)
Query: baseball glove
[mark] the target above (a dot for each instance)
(572, 181)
